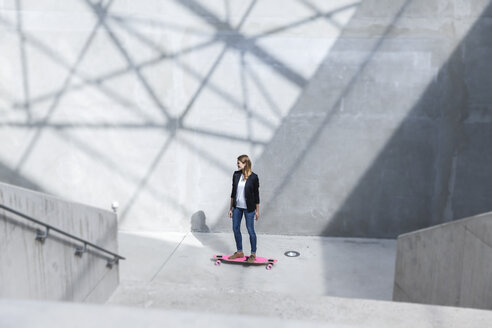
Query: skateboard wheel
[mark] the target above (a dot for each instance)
(217, 262)
(269, 267)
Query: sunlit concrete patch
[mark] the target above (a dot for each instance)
(141, 103)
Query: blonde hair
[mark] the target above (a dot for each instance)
(247, 168)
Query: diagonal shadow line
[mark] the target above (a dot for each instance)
(7, 175)
(203, 83)
(97, 83)
(23, 55)
(145, 180)
(126, 104)
(205, 155)
(211, 86)
(315, 136)
(224, 136)
(223, 94)
(136, 126)
(245, 15)
(237, 41)
(157, 23)
(163, 55)
(328, 16)
(211, 71)
(38, 44)
(262, 89)
(309, 19)
(60, 94)
(100, 13)
(227, 9)
(244, 90)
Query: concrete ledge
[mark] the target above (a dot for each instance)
(448, 264)
(50, 270)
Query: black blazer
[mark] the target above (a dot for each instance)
(251, 191)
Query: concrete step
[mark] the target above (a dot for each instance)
(26, 314)
(223, 299)
(330, 312)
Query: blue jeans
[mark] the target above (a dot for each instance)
(237, 215)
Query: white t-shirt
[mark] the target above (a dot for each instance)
(240, 198)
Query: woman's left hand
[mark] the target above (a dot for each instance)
(257, 215)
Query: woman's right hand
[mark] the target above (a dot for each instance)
(230, 214)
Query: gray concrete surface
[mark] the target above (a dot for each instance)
(51, 271)
(338, 313)
(176, 271)
(449, 264)
(384, 137)
(363, 118)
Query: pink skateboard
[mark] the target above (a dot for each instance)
(259, 260)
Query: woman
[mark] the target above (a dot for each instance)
(245, 199)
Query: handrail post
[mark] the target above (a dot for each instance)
(79, 251)
(112, 262)
(40, 236)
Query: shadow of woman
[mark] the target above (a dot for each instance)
(214, 241)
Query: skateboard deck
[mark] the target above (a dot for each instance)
(259, 260)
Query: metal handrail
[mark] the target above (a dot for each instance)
(40, 236)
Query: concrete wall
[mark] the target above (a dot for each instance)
(362, 118)
(449, 264)
(50, 270)
(391, 133)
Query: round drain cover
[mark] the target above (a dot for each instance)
(292, 253)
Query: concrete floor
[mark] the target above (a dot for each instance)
(175, 271)
(169, 279)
